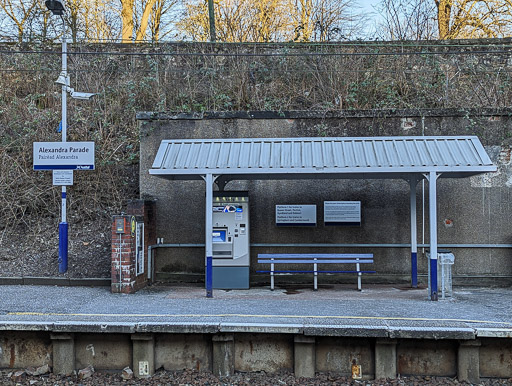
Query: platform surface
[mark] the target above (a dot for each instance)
(334, 310)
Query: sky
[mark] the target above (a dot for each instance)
(367, 4)
(367, 7)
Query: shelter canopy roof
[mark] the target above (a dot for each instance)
(321, 157)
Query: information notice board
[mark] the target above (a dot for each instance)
(346, 213)
(295, 215)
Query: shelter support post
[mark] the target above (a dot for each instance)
(414, 234)
(208, 234)
(432, 200)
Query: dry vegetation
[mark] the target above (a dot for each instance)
(201, 77)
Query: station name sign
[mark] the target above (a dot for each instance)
(63, 155)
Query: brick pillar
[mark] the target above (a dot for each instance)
(124, 270)
(123, 257)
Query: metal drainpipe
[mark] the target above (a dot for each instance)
(423, 196)
(120, 266)
(150, 263)
(355, 245)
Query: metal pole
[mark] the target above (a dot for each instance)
(63, 226)
(414, 234)
(211, 15)
(208, 235)
(432, 200)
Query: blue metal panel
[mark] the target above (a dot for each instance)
(231, 277)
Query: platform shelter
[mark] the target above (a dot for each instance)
(218, 161)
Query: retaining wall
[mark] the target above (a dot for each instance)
(473, 213)
(226, 353)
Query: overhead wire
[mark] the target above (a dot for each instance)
(262, 54)
(348, 70)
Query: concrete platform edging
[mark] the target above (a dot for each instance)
(466, 333)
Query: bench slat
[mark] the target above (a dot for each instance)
(315, 259)
(314, 271)
(317, 255)
(320, 261)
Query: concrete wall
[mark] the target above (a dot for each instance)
(272, 353)
(24, 349)
(262, 352)
(103, 351)
(478, 208)
(183, 351)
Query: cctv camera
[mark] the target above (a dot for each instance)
(81, 95)
(63, 80)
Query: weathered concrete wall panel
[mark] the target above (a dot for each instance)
(438, 358)
(103, 351)
(496, 358)
(180, 351)
(262, 352)
(24, 349)
(338, 354)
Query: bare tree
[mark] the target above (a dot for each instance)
(273, 20)
(163, 18)
(19, 13)
(473, 18)
(135, 16)
(407, 19)
(100, 21)
(238, 20)
(445, 19)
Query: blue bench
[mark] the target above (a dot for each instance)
(316, 259)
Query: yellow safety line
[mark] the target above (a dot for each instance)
(258, 316)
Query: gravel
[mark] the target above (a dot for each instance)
(192, 377)
(34, 250)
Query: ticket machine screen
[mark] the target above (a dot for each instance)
(219, 236)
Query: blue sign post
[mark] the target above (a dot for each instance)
(63, 156)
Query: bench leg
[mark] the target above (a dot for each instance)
(359, 281)
(271, 277)
(315, 277)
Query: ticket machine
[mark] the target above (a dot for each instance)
(230, 240)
